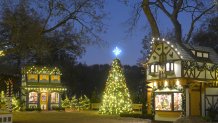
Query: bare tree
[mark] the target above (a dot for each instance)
(172, 9)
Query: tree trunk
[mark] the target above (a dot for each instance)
(151, 19)
(178, 30)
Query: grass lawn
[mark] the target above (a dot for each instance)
(70, 117)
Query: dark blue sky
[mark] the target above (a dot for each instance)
(116, 36)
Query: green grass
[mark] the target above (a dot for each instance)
(70, 117)
(64, 117)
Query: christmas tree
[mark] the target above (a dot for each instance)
(116, 97)
(66, 103)
(74, 102)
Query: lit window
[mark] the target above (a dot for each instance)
(154, 68)
(43, 97)
(169, 66)
(168, 101)
(33, 97)
(54, 97)
(44, 78)
(193, 52)
(199, 54)
(163, 102)
(32, 77)
(177, 98)
(205, 55)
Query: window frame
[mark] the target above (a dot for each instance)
(172, 101)
(57, 100)
(171, 67)
(155, 69)
(33, 102)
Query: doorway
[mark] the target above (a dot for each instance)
(44, 101)
(195, 103)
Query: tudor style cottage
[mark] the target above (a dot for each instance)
(41, 87)
(182, 80)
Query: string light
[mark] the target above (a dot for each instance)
(116, 97)
(167, 42)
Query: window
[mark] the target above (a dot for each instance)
(163, 102)
(55, 78)
(168, 101)
(193, 51)
(199, 54)
(169, 66)
(44, 78)
(43, 97)
(154, 68)
(33, 97)
(177, 98)
(32, 77)
(54, 97)
(205, 55)
(202, 54)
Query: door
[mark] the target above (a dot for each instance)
(195, 103)
(44, 101)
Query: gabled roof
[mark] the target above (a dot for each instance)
(213, 56)
(185, 51)
(41, 70)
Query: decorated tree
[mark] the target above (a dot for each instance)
(15, 104)
(74, 102)
(116, 97)
(66, 103)
(86, 103)
(2, 100)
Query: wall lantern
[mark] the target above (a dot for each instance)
(165, 84)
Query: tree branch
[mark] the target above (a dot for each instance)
(151, 19)
(51, 3)
(177, 8)
(72, 15)
(161, 6)
(194, 21)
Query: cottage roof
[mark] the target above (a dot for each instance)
(186, 52)
(41, 70)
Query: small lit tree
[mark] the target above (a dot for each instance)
(74, 102)
(2, 100)
(86, 102)
(15, 104)
(116, 97)
(66, 103)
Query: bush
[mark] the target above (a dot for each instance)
(33, 109)
(57, 108)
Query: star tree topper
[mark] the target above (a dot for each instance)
(116, 51)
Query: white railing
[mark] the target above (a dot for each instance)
(6, 118)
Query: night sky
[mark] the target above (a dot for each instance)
(116, 35)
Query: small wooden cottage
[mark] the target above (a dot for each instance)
(182, 80)
(41, 87)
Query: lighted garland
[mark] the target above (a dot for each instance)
(40, 70)
(152, 103)
(183, 103)
(116, 97)
(167, 42)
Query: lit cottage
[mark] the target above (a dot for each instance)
(41, 87)
(182, 80)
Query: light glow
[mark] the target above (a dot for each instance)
(117, 51)
(116, 98)
(2, 53)
(165, 84)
